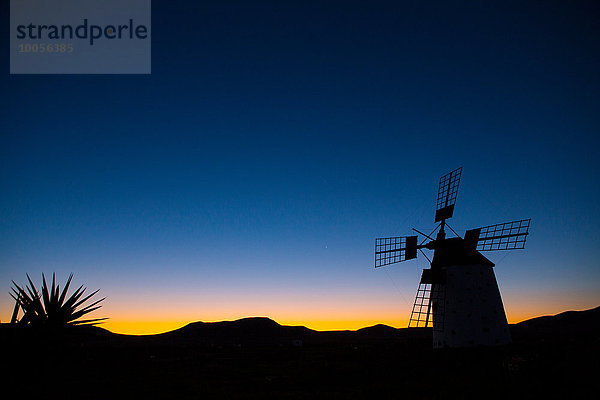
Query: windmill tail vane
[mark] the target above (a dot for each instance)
(458, 295)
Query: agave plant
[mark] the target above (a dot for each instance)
(52, 307)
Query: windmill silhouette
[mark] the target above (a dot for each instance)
(458, 295)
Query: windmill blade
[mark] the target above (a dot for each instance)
(506, 236)
(421, 311)
(15, 314)
(392, 250)
(447, 192)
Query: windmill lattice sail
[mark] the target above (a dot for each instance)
(396, 249)
(506, 236)
(447, 193)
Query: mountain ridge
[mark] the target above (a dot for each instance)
(264, 329)
(256, 328)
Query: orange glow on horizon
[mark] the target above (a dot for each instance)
(142, 314)
(134, 325)
(149, 327)
(152, 318)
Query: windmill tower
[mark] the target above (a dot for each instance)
(458, 295)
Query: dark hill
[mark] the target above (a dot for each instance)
(591, 316)
(261, 331)
(569, 324)
(378, 330)
(257, 330)
(381, 331)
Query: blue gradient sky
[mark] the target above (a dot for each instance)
(251, 172)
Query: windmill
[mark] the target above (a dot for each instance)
(458, 295)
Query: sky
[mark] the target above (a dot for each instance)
(250, 173)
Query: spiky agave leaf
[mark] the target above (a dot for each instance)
(15, 314)
(66, 288)
(52, 306)
(94, 321)
(86, 298)
(31, 288)
(54, 293)
(30, 302)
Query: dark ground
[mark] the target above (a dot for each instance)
(552, 357)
